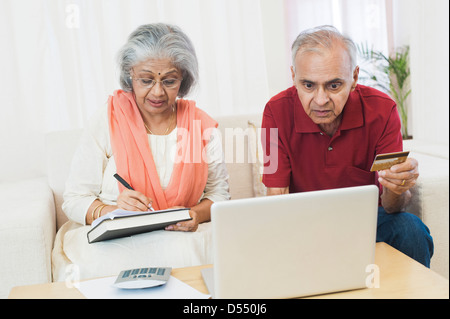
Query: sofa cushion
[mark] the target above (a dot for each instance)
(240, 136)
(256, 150)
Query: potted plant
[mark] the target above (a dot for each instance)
(391, 75)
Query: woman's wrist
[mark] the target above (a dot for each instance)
(97, 210)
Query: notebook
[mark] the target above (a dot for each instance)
(293, 245)
(122, 223)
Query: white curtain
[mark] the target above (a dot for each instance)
(58, 63)
(365, 21)
(62, 53)
(58, 58)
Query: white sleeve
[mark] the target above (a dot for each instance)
(216, 188)
(84, 184)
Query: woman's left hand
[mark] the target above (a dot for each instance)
(189, 225)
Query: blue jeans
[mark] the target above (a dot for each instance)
(406, 233)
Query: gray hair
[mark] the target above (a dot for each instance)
(159, 41)
(323, 36)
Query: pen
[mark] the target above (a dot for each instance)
(124, 183)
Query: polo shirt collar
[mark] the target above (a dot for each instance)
(352, 116)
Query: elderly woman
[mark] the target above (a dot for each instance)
(166, 148)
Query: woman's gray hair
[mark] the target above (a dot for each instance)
(159, 41)
(323, 37)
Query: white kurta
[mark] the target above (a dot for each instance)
(93, 167)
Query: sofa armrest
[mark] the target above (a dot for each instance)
(431, 204)
(27, 233)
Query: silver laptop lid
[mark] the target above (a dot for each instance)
(294, 245)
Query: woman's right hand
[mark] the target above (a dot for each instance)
(133, 201)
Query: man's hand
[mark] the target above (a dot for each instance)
(396, 182)
(401, 177)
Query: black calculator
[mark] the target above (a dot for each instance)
(138, 278)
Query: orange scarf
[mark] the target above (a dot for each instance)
(134, 160)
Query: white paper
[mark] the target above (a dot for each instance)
(174, 289)
(117, 213)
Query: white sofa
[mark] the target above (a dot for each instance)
(31, 222)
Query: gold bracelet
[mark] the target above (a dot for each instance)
(93, 211)
(100, 210)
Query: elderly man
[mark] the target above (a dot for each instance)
(329, 130)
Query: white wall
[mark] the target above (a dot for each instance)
(425, 26)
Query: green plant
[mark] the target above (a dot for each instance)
(390, 74)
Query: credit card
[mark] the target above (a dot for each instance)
(385, 161)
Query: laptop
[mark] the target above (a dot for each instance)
(293, 245)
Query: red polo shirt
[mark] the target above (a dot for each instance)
(302, 157)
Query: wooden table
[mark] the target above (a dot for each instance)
(400, 277)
